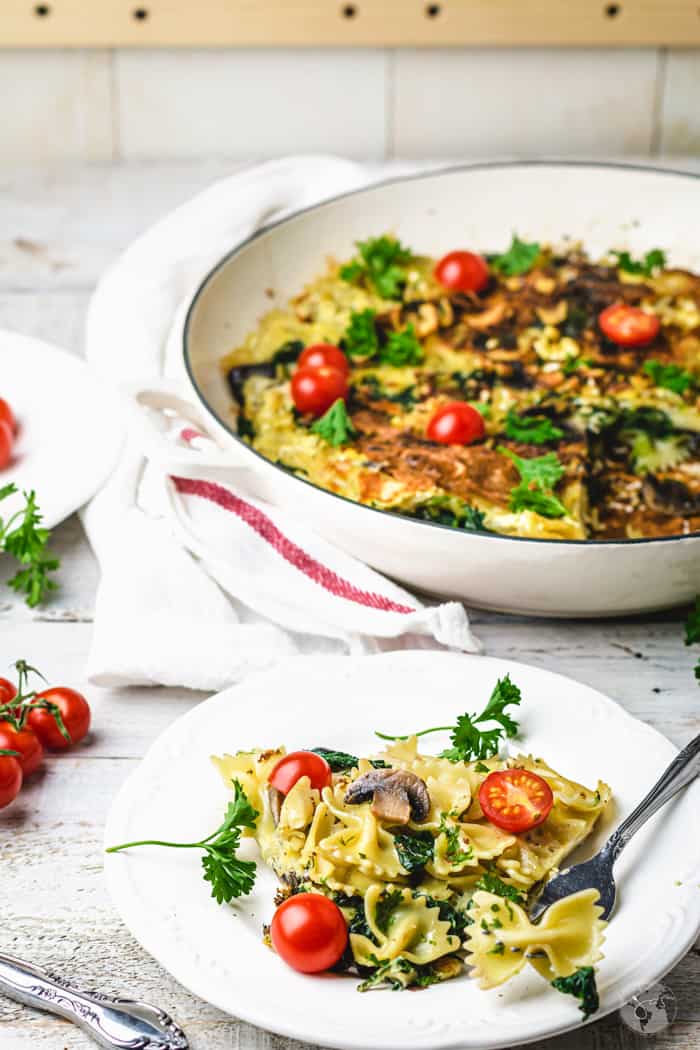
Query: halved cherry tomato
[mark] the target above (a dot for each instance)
(515, 799)
(6, 442)
(322, 355)
(456, 424)
(75, 712)
(309, 932)
(8, 691)
(462, 272)
(314, 390)
(26, 743)
(7, 415)
(628, 325)
(10, 779)
(298, 764)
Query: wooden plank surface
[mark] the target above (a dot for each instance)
(392, 23)
(58, 230)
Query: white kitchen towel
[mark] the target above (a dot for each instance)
(200, 583)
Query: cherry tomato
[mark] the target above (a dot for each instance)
(462, 272)
(6, 442)
(75, 712)
(8, 691)
(628, 325)
(10, 779)
(298, 764)
(322, 355)
(314, 390)
(515, 799)
(7, 415)
(26, 742)
(309, 932)
(456, 424)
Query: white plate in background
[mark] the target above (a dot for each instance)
(70, 427)
(217, 952)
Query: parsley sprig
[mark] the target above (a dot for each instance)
(361, 341)
(24, 539)
(669, 376)
(229, 876)
(471, 741)
(692, 631)
(402, 348)
(335, 426)
(520, 257)
(538, 476)
(532, 430)
(381, 263)
(646, 266)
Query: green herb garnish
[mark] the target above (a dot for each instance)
(538, 476)
(582, 985)
(25, 540)
(385, 908)
(361, 340)
(646, 266)
(670, 377)
(492, 884)
(229, 876)
(455, 852)
(335, 426)
(402, 348)
(532, 430)
(468, 740)
(381, 263)
(519, 258)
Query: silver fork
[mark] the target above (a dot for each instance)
(597, 873)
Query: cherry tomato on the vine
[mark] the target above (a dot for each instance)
(314, 390)
(26, 743)
(322, 355)
(298, 764)
(309, 932)
(515, 800)
(6, 443)
(462, 272)
(8, 691)
(628, 325)
(10, 779)
(75, 712)
(7, 415)
(456, 424)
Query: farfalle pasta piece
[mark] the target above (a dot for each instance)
(408, 928)
(501, 938)
(359, 839)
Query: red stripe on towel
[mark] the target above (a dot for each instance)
(297, 557)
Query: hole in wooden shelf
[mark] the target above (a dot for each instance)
(42, 10)
(140, 14)
(612, 10)
(348, 11)
(432, 10)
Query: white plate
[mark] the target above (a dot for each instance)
(71, 429)
(216, 952)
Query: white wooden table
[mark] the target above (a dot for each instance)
(58, 230)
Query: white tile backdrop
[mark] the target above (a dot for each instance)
(101, 105)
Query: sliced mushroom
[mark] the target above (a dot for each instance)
(553, 314)
(275, 798)
(397, 795)
(487, 318)
(668, 496)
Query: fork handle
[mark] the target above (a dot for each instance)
(684, 768)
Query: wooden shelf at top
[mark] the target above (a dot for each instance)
(359, 23)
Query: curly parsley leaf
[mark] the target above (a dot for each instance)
(670, 377)
(414, 849)
(455, 852)
(492, 884)
(229, 877)
(580, 984)
(361, 340)
(339, 761)
(469, 741)
(538, 476)
(520, 257)
(532, 430)
(646, 266)
(402, 348)
(23, 538)
(335, 426)
(381, 263)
